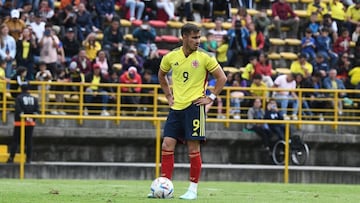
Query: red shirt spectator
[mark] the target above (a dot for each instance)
(342, 43)
(131, 77)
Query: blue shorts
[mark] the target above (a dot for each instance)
(186, 124)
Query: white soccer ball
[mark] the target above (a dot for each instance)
(162, 188)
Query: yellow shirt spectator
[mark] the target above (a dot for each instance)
(337, 10)
(258, 90)
(221, 53)
(353, 13)
(91, 49)
(248, 72)
(313, 8)
(296, 67)
(355, 76)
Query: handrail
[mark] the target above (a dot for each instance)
(158, 121)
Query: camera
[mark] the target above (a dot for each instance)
(47, 32)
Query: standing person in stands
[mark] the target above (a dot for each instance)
(7, 49)
(24, 104)
(285, 16)
(186, 121)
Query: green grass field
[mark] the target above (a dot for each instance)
(78, 191)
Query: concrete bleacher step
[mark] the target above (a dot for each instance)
(4, 155)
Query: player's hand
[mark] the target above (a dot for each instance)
(203, 101)
(170, 99)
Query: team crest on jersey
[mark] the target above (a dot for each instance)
(195, 63)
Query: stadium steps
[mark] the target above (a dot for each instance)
(4, 155)
(210, 172)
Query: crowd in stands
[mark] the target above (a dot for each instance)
(42, 41)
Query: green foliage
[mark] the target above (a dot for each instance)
(124, 191)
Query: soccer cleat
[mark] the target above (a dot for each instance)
(150, 195)
(189, 195)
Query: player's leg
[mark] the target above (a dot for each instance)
(167, 157)
(14, 145)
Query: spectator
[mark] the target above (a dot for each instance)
(103, 62)
(342, 43)
(15, 24)
(356, 34)
(153, 63)
(314, 25)
(308, 44)
(249, 70)
(145, 35)
(7, 50)
(3, 78)
(70, 44)
(218, 32)
(313, 99)
(343, 68)
(302, 66)
(284, 15)
(258, 87)
(64, 3)
(221, 51)
(43, 75)
(84, 23)
(132, 59)
(318, 7)
(26, 48)
(263, 67)
(355, 77)
(59, 96)
(91, 46)
(323, 45)
(243, 16)
(106, 11)
(218, 101)
(168, 7)
(67, 18)
(272, 113)
(75, 76)
(147, 100)
(237, 43)
(38, 26)
(49, 49)
(286, 82)
(45, 11)
(20, 78)
(353, 15)
(337, 9)
(262, 130)
(131, 77)
(236, 97)
(332, 82)
(5, 9)
(305, 105)
(255, 43)
(330, 25)
(113, 38)
(83, 63)
(220, 6)
(262, 22)
(135, 4)
(321, 66)
(210, 45)
(94, 91)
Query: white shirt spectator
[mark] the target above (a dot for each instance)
(282, 82)
(38, 29)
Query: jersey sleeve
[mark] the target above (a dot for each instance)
(212, 64)
(165, 64)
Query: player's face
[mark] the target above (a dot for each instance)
(192, 41)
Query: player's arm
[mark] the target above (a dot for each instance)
(220, 77)
(164, 83)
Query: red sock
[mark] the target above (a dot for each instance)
(195, 166)
(167, 163)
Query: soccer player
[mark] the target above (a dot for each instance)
(190, 66)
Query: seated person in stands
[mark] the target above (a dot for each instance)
(249, 70)
(323, 46)
(104, 63)
(220, 6)
(70, 44)
(75, 76)
(20, 78)
(308, 44)
(257, 87)
(83, 63)
(169, 8)
(353, 17)
(332, 82)
(210, 45)
(237, 43)
(262, 22)
(94, 91)
(145, 35)
(243, 16)
(314, 25)
(84, 23)
(113, 38)
(320, 65)
(342, 43)
(105, 9)
(255, 43)
(218, 32)
(272, 113)
(287, 82)
(317, 8)
(302, 66)
(343, 68)
(331, 25)
(221, 51)
(131, 76)
(283, 15)
(132, 58)
(135, 7)
(262, 130)
(264, 68)
(91, 46)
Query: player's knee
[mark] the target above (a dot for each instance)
(167, 146)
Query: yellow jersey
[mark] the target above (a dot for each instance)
(189, 74)
(311, 8)
(296, 68)
(337, 10)
(353, 13)
(258, 90)
(2, 84)
(355, 76)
